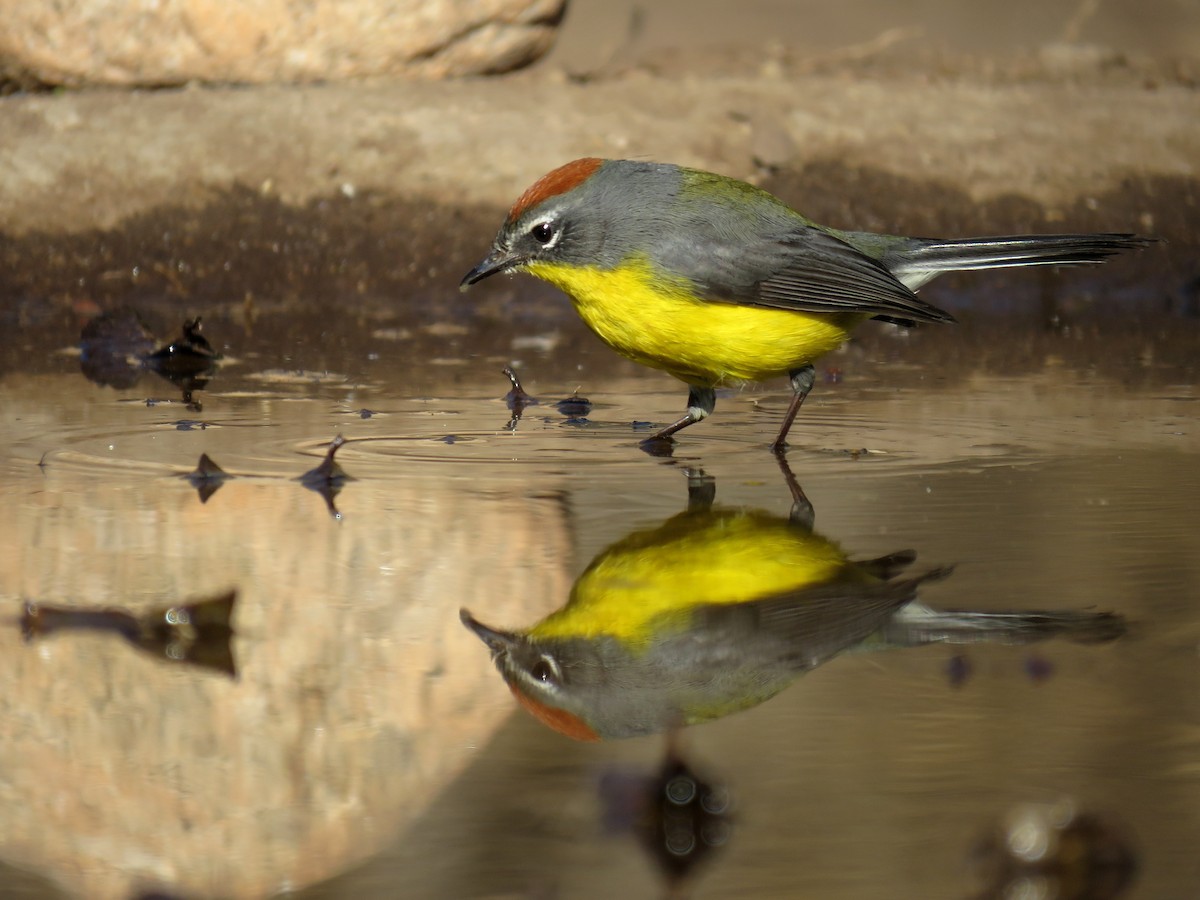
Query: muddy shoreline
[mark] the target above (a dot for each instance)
(96, 158)
(340, 218)
(376, 274)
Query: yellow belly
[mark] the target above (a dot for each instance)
(715, 558)
(701, 342)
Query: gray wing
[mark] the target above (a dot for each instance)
(803, 269)
(825, 274)
(810, 626)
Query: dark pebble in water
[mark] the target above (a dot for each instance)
(574, 406)
(366, 413)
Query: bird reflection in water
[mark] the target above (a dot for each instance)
(717, 609)
(197, 633)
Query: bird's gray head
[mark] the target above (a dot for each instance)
(590, 212)
(536, 677)
(585, 688)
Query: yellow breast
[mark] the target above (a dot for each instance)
(723, 557)
(658, 323)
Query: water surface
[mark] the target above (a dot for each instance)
(365, 744)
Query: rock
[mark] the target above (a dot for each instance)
(78, 42)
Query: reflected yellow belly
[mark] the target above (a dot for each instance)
(701, 342)
(718, 558)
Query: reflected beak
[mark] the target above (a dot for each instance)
(497, 641)
(495, 262)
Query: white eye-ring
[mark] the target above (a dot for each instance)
(545, 233)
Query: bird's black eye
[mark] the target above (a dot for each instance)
(543, 232)
(546, 671)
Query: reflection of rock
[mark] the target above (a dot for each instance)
(197, 633)
(359, 695)
(107, 42)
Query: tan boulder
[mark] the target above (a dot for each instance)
(114, 42)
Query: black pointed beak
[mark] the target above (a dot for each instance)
(495, 262)
(497, 641)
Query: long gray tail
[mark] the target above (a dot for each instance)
(922, 258)
(919, 624)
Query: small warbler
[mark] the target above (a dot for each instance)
(719, 283)
(717, 609)
(709, 613)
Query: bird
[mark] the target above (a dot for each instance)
(717, 609)
(719, 283)
(707, 614)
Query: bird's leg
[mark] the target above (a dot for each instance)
(701, 402)
(702, 490)
(802, 514)
(802, 382)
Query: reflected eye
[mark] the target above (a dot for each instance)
(546, 671)
(543, 232)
